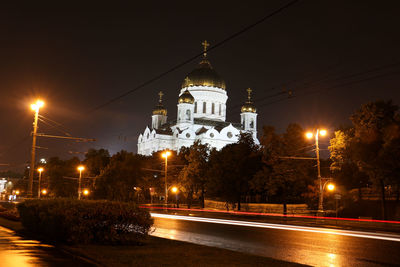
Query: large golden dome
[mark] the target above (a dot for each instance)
(204, 75)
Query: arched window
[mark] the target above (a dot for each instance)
(195, 107)
(213, 108)
(220, 107)
(252, 124)
(204, 107)
(188, 115)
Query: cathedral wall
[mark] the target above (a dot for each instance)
(209, 95)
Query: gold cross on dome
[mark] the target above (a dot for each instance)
(161, 95)
(205, 45)
(249, 93)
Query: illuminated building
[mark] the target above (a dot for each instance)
(201, 115)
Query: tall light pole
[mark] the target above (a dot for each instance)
(165, 155)
(35, 107)
(40, 170)
(310, 135)
(80, 169)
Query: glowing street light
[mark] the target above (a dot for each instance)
(35, 107)
(80, 169)
(17, 192)
(86, 192)
(175, 190)
(331, 187)
(44, 192)
(310, 135)
(40, 170)
(165, 155)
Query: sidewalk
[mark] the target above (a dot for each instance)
(18, 251)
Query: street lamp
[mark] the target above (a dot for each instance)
(310, 135)
(86, 192)
(331, 187)
(35, 107)
(175, 190)
(44, 192)
(80, 169)
(165, 155)
(40, 170)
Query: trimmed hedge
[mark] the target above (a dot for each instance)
(85, 221)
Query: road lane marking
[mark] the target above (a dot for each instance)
(371, 235)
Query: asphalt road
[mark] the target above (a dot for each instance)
(16, 251)
(306, 245)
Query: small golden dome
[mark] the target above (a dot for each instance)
(204, 74)
(248, 106)
(159, 109)
(186, 97)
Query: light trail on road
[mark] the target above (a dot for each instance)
(370, 235)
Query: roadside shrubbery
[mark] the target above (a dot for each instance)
(85, 221)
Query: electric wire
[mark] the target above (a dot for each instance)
(213, 47)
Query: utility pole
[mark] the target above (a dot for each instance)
(321, 195)
(36, 108)
(165, 155)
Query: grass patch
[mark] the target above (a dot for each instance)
(13, 225)
(164, 252)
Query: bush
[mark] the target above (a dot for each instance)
(11, 214)
(85, 221)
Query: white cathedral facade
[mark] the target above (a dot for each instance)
(201, 115)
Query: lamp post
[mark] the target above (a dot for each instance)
(40, 170)
(165, 155)
(80, 169)
(175, 190)
(310, 135)
(35, 107)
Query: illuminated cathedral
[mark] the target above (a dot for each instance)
(201, 115)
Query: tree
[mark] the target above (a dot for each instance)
(283, 179)
(232, 168)
(60, 173)
(122, 174)
(343, 165)
(376, 144)
(193, 175)
(96, 160)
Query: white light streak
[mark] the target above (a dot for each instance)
(379, 236)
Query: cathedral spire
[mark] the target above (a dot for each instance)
(205, 46)
(161, 95)
(248, 106)
(159, 109)
(249, 94)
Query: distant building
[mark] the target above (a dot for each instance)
(201, 115)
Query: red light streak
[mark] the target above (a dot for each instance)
(273, 214)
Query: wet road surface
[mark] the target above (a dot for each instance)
(306, 245)
(16, 251)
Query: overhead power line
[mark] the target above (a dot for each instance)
(229, 38)
(333, 87)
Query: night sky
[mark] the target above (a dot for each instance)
(332, 55)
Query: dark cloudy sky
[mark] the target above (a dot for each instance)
(333, 55)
